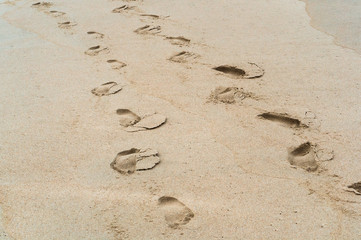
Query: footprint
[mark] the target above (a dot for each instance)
(127, 117)
(56, 13)
(183, 57)
(94, 51)
(283, 118)
(122, 9)
(42, 5)
(115, 64)
(106, 89)
(147, 29)
(355, 188)
(153, 16)
(180, 41)
(303, 156)
(228, 95)
(247, 70)
(175, 212)
(66, 25)
(96, 34)
(134, 123)
(129, 161)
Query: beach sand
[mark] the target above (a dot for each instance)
(241, 120)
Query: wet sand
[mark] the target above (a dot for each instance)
(176, 120)
(340, 19)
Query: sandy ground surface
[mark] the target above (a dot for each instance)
(225, 172)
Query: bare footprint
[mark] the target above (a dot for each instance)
(147, 29)
(115, 64)
(152, 16)
(282, 118)
(96, 34)
(134, 123)
(175, 212)
(180, 41)
(129, 161)
(94, 51)
(66, 25)
(42, 4)
(106, 89)
(122, 9)
(247, 70)
(228, 95)
(127, 117)
(184, 57)
(303, 156)
(56, 13)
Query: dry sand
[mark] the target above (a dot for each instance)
(263, 150)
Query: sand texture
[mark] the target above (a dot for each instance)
(150, 119)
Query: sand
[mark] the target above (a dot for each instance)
(269, 158)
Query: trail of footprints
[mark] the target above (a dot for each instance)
(306, 156)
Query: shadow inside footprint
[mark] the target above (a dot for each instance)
(147, 29)
(66, 25)
(180, 41)
(175, 212)
(96, 34)
(356, 188)
(183, 57)
(134, 123)
(129, 161)
(94, 51)
(153, 16)
(303, 156)
(283, 119)
(106, 89)
(115, 64)
(247, 70)
(228, 95)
